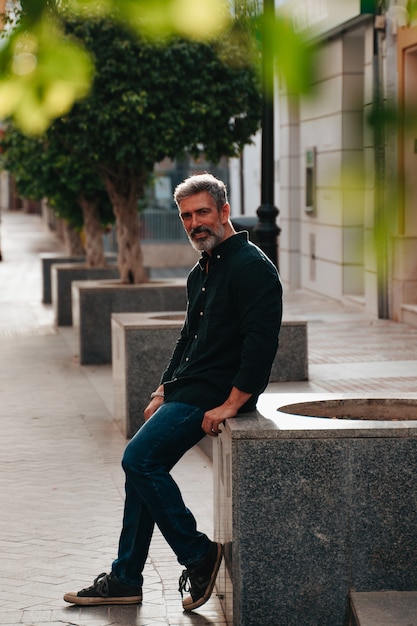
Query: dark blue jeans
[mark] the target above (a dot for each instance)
(153, 497)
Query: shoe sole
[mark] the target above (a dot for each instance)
(72, 598)
(190, 606)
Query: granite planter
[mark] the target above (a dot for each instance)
(310, 508)
(291, 361)
(142, 344)
(93, 303)
(62, 277)
(48, 259)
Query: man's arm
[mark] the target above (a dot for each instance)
(213, 418)
(258, 293)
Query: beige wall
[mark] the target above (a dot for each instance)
(290, 204)
(169, 254)
(324, 250)
(333, 251)
(404, 249)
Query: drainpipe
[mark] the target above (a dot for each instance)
(398, 16)
(381, 222)
(395, 16)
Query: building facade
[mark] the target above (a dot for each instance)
(346, 175)
(325, 148)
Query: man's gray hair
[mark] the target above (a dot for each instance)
(200, 183)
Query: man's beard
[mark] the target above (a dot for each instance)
(214, 238)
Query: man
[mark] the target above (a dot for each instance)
(220, 364)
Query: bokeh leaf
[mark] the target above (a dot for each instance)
(196, 19)
(45, 72)
(293, 56)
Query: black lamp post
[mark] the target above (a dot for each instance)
(267, 230)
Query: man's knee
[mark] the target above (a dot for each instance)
(134, 459)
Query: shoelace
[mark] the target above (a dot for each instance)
(184, 583)
(101, 584)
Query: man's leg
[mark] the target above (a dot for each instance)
(135, 538)
(147, 461)
(153, 496)
(152, 493)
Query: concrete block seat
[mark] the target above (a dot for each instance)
(62, 277)
(142, 344)
(49, 259)
(93, 303)
(315, 497)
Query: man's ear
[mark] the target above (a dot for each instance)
(225, 213)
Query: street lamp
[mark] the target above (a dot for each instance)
(267, 230)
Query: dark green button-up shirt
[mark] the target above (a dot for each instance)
(230, 334)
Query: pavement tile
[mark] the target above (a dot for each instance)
(11, 618)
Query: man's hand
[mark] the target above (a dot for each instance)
(153, 405)
(215, 417)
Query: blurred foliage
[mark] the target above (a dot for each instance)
(412, 9)
(149, 102)
(146, 102)
(293, 56)
(43, 168)
(43, 70)
(199, 20)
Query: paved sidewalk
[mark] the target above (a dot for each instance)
(61, 483)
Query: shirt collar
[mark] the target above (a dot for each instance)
(224, 249)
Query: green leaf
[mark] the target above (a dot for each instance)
(197, 19)
(293, 57)
(45, 73)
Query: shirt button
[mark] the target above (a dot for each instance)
(203, 289)
(201, 313)
(218, 256)
(195, 336)
(187, 359)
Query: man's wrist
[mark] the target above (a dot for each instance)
(157, 394)
(236, 399)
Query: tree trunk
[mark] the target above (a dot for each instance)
(72, 240)
(93, 231)
(124, 192)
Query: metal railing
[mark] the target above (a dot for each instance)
(161, 225)
(156, 225)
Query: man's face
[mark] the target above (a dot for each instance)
(203, 223)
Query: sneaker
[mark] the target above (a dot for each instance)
(199, 580)
(106, 589)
